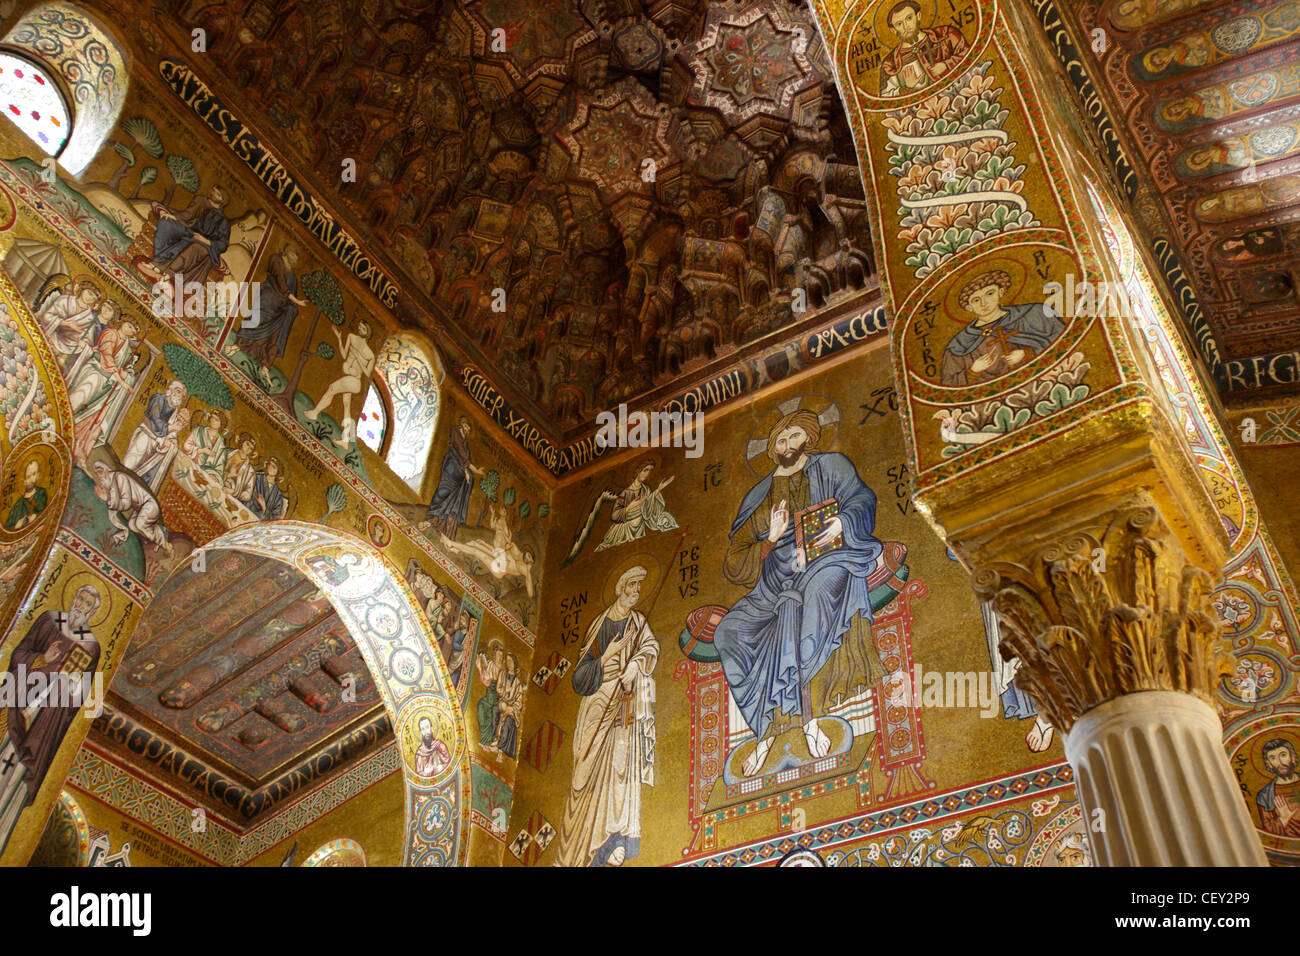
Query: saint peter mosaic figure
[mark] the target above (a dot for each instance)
(614, 734)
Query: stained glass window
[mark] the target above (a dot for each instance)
(33, 103)
(373, 421)
(73, 46)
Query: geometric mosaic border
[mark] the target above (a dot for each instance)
(100, 777)
(931, 808)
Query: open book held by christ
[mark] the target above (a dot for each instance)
(812, 521)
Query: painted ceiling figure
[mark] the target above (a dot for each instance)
(1000, 338)
(58, 643)
(923, 54)
(799, 611)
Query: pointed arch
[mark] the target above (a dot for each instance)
(374, 602)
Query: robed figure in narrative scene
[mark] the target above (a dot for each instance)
(155, 441)
(68, 317)
(450, 504)
(58, 643)
(808, 607)
(264, 337)
(101, 386)
(190, 243)
(614, 735)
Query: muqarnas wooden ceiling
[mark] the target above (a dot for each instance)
(654, 186)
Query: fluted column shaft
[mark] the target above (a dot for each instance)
(1156, 789)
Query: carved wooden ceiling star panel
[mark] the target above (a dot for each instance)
(517, 160)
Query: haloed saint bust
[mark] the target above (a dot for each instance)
(1000, 338)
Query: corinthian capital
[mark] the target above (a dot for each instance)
(1105, 611)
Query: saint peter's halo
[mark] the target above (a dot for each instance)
(70, 587)
(826, 410)
(653, 567)
(1018, 272)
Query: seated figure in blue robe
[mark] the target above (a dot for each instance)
(808, 611)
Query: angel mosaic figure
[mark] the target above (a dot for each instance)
(638, 508)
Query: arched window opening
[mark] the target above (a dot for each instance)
(31, 100)
(372, 425)
(412, 377)
(73, 50)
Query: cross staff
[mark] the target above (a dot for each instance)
(617, 698)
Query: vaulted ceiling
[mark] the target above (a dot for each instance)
(235, 687)
(1210, 92)
(648, 183)
(604, 200)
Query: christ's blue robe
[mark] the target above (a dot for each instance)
(780, 634)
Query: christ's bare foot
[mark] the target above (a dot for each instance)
(819, 745)
(618, 856)
(755, 761)
(311, 414)
(1039, 737)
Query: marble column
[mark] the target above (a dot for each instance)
(1150, 773)
(1119, 647)
(1043, 443)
